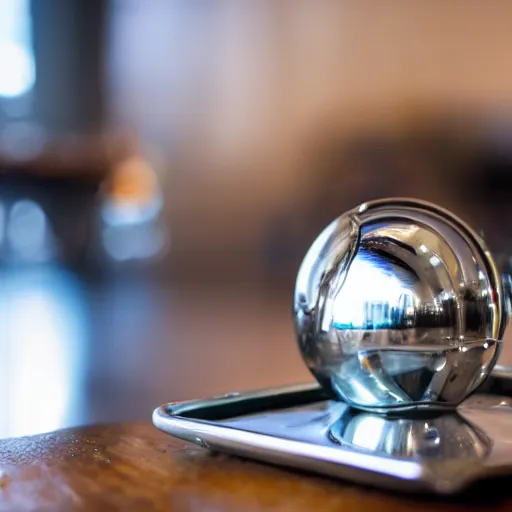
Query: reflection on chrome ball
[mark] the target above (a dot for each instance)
(399, 306)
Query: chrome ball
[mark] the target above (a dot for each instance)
(398, 306)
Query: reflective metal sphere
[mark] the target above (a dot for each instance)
(398, 306)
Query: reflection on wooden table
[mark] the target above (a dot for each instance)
(74, 353)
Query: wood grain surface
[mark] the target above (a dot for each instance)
(133, 466)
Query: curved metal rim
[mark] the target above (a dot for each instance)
(347, 464)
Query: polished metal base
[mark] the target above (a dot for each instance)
(300, 427)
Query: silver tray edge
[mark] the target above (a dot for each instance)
(351, 465)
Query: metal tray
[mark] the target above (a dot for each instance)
(300, 427)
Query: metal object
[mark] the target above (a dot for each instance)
(301, 428)
(399, 307)
(447, 436)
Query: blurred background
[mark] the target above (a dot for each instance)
(165, 164)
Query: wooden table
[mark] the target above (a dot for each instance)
(133, 466)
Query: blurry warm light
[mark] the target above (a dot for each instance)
(133, 180)
(132, 194)
(131, 209)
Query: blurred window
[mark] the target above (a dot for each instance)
(17, 67)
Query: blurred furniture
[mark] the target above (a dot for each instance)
(58, 184)
(133, 466)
